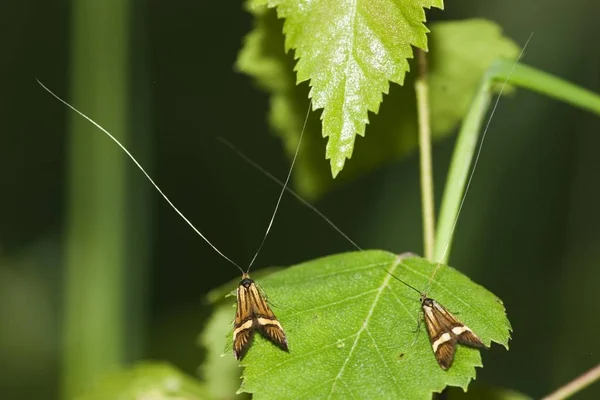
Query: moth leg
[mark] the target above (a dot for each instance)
(264, 296)
(418, 331)
(419, 318)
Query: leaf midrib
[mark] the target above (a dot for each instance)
(365, 324)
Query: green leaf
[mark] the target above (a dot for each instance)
(460, 54)
(155, 381)
(351, 326)
(350, 51)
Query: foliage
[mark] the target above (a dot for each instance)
(149, 381)
(460, 53)
(350, 52)
(351, 326)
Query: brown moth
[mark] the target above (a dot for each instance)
(445, 331)
(252, 314)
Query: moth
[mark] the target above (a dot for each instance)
(445, 331)
(253, 313)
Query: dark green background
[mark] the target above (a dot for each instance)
(529, 231)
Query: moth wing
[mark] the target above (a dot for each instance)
(467, 337)
(267, 323)
(274, 332)
(243, 328)
(264, 318)
(445, 353)
(242, 342)
(243, 310)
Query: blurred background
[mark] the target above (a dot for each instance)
(79, 221)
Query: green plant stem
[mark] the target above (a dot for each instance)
(94, 276)
(575, 385)
(464, 151)
(501, 71)
(541, 82)
(426, 168)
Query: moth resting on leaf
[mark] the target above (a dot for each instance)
(445, 331)
(252, 314)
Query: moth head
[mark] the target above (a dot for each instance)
(426, 301)
(246, 281)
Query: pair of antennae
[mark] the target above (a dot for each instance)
(284, 187)
(288, 189)
(285, 184)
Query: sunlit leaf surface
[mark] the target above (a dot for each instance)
(350, 51)
(460, 53)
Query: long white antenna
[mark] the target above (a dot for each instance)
(288, 189)
(485, 130)
(287, 179)
(143, 171)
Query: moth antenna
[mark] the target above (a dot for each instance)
(288, 189)
(485, 130)
(143, 171)
(287, 179)
(400, 280)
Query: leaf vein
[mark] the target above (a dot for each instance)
(381, 288)
(313, 277)
(335, 303)
(402, 304)
(387, 367)
(305, 355)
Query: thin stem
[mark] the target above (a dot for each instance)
(96, 248)
(541, 82)
(427, 196)
(575, 385)
(458, 173)
(515, 74)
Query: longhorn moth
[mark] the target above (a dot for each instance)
(253, 312)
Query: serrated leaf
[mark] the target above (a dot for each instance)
(350, 327)
(148, 381)
(460, 53)
(350, 51)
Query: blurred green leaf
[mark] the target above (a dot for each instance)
(350, 53)
(460, 54)
(488, 393)
(220, 371)
(350, 327)
(148, 381)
